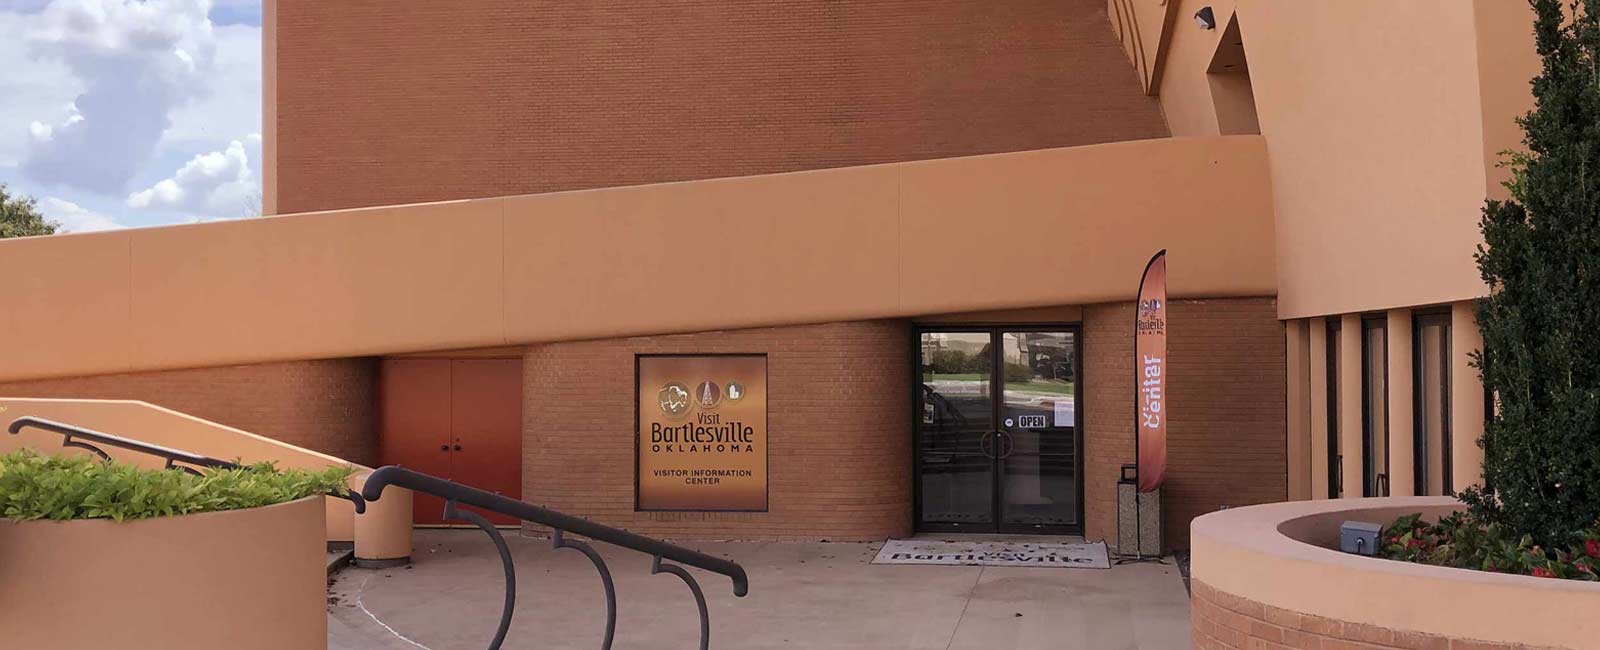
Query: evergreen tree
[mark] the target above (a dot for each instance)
(20, 217)
(1541, 321)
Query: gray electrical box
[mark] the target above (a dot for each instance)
(1359, 537)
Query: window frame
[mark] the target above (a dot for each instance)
(1422, 318)
(1374, 483)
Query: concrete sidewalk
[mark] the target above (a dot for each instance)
(802, 595)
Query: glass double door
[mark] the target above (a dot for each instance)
(997, 445)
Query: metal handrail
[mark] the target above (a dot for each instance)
(456, 494)
(73, 436)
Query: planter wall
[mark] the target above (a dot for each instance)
(1265, 575)
(238, 579)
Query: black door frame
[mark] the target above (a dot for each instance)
(997, 399)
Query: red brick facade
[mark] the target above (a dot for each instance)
(839, 419)
(1223, 621)
(1227, 437)
(382, 103)
(327, 406)
(839, 430)
(841, 433)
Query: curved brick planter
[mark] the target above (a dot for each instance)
(242, 579)
(1266, 577)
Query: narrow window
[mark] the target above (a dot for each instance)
(1335, 461)
(1430, 382)
(1374, 406)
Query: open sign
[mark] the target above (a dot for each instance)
(1031, 421)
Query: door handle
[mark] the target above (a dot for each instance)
(1007, 444)
(458, 446)
(983, 444)
(444, 447)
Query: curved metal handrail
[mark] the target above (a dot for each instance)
(456, 494)
(73, 436)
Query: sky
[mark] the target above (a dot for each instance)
(124, 113)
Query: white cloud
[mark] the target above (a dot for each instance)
(231, 102)
(75, 218)
(220, 183)
(137, 62)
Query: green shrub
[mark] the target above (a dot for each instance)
(36, 486)
(1467, 540)
(1541, 321)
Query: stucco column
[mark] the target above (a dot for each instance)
(1317, 367)
(1350, 403)
(1402, 442)
(1466, 399)
(1298, 421)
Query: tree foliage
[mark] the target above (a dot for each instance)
(20, 217)
(1541, 321)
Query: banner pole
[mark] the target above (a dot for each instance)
(1138, 461)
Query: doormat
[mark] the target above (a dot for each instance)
(932, 551)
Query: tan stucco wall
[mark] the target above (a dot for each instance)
(1256, 554)
(1384, 122)
(1507, 61)
(1185, 88)
(244, 579)
(1372, 114)
(844, 244)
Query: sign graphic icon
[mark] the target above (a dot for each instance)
(735, 391)
(708, 394)
(674, 399)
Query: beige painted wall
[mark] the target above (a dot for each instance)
(1350, 415)
(1317, 336)
(1401, 401)
(1185, 88)
(1049, 227)
(1466, 399)
(1384, 122)
(247, 579)
(1372, 114)
(1507, 61)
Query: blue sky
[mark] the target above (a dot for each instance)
(120, 113)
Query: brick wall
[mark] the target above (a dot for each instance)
(383, 103)
(1226, 441)
(326, 406)
(839, 432)
(1223, 621)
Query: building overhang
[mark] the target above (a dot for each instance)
(1003, 231)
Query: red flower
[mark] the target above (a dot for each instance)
(1541, 572)
(1592, 547)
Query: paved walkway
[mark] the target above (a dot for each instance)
(802, 595)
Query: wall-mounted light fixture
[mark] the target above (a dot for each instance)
(1205, 18)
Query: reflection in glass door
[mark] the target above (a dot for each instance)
(1038, 419)
(998, 455)
(956, 432)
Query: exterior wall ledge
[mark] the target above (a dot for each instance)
(1280, 556)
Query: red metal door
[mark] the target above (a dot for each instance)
(414, 423)
(486, 424)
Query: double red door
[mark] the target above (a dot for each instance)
(459, 419)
